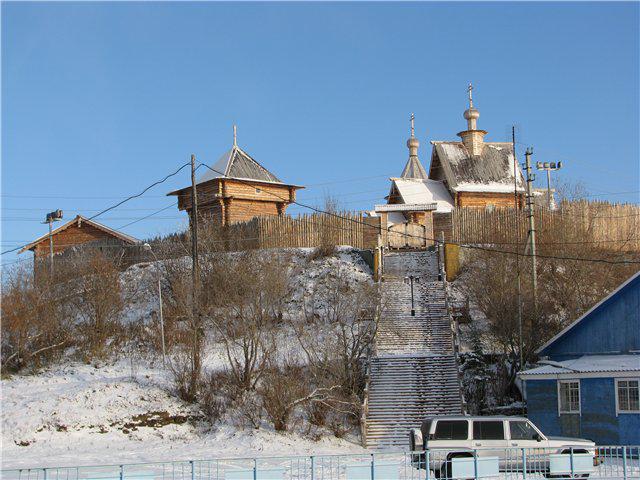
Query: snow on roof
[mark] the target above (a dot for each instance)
(79, 220)
(406, 207)
(424, 191)
(492, 171)
(588, 364)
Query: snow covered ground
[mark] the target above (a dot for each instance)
(85, 414)
(123, 411)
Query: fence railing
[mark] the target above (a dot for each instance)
(608, 462)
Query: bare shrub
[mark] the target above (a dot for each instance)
(281, 390)
(212, 399)
(97, 304)
(35, 325)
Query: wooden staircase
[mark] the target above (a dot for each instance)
(414, 373)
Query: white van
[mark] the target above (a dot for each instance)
(516, 441)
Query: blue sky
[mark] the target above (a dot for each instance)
(101, 99)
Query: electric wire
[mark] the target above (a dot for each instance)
(422, 237)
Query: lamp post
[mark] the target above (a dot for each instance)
(50, 218)
(549, 167)
(148, 248)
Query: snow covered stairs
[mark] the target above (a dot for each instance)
(406, 389)
(429, 330)
(414, 373)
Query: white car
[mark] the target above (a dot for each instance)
(516, 442)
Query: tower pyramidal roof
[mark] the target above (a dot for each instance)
(413, 169)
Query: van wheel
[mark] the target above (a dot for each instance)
(448, 467)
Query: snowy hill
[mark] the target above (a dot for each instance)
(124, 410)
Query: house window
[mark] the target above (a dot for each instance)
(568, 396)
(258, 190)
(628, 395)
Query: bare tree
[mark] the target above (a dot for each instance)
(337, 337)
(244, 295)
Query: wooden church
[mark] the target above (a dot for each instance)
(470, 173)
(237, 188)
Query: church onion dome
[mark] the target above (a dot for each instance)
(471, 113)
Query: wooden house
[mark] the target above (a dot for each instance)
(237, 188)
(77, 232)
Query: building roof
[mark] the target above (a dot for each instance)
(492, 171)
(78, 221)
(587, 364)
(424, 191)
(600, 304)
(414, 169)
(236, 163)
(406, 207)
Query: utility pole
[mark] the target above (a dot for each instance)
(549, 167)
(517, 209)
(532, 226)
(194, 280)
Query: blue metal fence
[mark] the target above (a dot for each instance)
(610, 462)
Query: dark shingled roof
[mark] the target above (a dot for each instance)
(236, 163)
(492, 171)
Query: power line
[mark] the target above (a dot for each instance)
(147, 216)
(422, 237)
(141, 193)
(122, 201)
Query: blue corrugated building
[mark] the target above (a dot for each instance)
(588, 381)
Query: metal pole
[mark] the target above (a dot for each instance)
(51, 247)
(549, 188)
(194, 277)
(413, 310)
(571, 461)
(312, 467)
(373, 467)
(164, 351)
(532, 227)
(426, 463)
(518, 284)
(475, 464)
(524, 464)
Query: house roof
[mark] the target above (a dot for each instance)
(424, 191)
(492, 171)
(589, 312)
(79, 220)
(588, 364)
(237, 164)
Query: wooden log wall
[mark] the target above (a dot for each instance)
(312, 230)
(608, 226)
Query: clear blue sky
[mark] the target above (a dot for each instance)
(101, 99)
